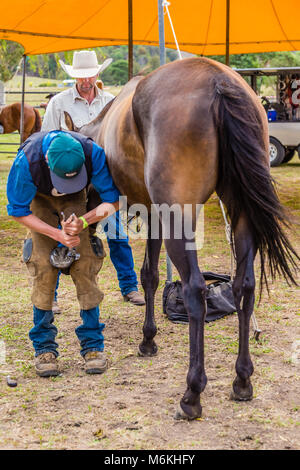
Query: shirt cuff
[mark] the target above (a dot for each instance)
(110, 196)
(18, 212)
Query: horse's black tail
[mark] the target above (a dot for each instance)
(38, 121)
(244, 177)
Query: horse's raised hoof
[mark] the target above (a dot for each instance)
(241, 390)
(147, 350)
(182, 415)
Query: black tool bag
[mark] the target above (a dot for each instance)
(220, 301)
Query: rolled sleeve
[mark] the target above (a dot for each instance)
(20, 187)
(101, 177)
(51, 120)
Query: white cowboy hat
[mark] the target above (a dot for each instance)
(84, 65)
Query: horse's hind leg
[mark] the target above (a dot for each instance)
(194, 293)
(243, 290)
(149, 280)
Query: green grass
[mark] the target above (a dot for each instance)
(6, 149)
(30, 82)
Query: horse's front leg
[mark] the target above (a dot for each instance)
(194, 294)
(150, 280)
(243, 290)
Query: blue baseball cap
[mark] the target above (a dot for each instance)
(66, 161)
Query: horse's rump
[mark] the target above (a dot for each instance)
(204, 129)
(170, 107)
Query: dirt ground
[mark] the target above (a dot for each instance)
(132, 405)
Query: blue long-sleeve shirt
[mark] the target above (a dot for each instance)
(21, 189)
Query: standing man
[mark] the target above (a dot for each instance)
(84, 101)
(49, 178)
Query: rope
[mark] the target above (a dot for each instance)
(165, 4)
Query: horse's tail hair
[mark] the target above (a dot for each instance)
(245, 181)
(38, 121)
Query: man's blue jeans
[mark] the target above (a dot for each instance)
(120, 254)
(44, 331)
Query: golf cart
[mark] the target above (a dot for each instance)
(283, 109)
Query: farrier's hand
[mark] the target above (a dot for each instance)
(72, 226)
(71, 241)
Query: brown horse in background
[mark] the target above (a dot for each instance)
(10, 118)
(188, 129)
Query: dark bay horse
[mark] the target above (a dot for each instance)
(188, 129)
(10, 117)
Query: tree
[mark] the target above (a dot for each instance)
(154, 63)
(116, 73)
(265, 59)
(10, 56)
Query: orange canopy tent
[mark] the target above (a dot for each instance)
(44, 26)
(206, 27)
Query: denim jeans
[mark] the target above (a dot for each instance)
(120, 253)
(44, 331)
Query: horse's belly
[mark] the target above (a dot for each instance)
(129, 178)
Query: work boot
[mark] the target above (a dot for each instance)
(46, 365)
(95, 362)
(135, 298)
(55, 307)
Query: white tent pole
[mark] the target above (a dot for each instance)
(161, 28)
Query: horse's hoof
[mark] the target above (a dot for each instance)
(146, 351)
(235, 397)
(182, 415)
(241, 393)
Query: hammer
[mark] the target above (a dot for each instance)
(72, 253)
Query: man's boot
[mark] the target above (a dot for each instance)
(46, 365)
(95, 362)
(135, 298)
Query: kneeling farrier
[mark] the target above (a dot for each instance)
(48, 178)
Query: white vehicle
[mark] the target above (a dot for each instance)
(283, 111)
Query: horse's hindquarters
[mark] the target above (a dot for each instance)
(124, 151)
